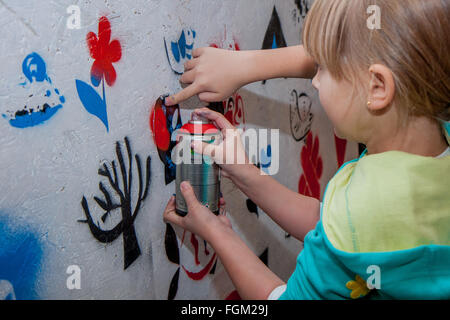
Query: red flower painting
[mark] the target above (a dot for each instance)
(105, 53)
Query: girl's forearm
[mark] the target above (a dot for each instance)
(293, 212)
(250, 276)
(289, 62)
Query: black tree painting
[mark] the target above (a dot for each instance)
(122, 187)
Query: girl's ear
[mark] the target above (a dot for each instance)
(381, 88)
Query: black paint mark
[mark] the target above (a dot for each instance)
(126, 225)
(300, 116)
(252, 207)
(303, 7)
(171, 245)
(217, 106)
(264, 257)
(173, 288)
(274, 37)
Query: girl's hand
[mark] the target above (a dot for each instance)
(214, 74)
(199, 220)
(230, 153)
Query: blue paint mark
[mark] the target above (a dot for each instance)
(20, 259)
(34, 69)
(266, 159)
(274, 43)
(180, 50)
(34, 118)
(33, 66)
(92, 102)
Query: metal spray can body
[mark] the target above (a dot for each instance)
(204, 176)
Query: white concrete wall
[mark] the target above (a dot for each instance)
(47, 167)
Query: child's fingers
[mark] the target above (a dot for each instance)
(197, 52)
(170, 215)
(188, 77)
(189, 196)
(218, 118)
(190, 64)
(209, 97)
(184, 94)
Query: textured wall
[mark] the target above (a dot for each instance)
(75, 107)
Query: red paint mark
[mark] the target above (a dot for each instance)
(341, 145)
(312, 164)
(233, 296)
(161, 135)
(194, 242)
(104, 52)
(202, 273)
(234, 110)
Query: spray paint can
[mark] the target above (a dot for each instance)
(202, 173)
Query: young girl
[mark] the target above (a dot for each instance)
(383, 228)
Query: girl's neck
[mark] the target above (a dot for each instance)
(422, 136)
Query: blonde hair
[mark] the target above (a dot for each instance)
(413, 41)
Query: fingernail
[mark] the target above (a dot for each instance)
(184, 185)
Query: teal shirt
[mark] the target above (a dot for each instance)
(325, 272)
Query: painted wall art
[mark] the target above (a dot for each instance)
(179, 50)
(204, 261)
(300, 115)
(120, 185)
(105, 52)
(274, 37)
(164, 121)
(312, 165)
(21, 256)
(41, 99)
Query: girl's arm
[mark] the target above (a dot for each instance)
(293, 212)
(215, 74)
(251, 277)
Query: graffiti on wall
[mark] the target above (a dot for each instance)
(233, 110)
(274, 37)
(43, 100)
(120, 187)
(302, 9)
(312, 165)
(180, 50)
(164, 121)
(20, 260)
(204, 261)
(300, 115)
(104, 52)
